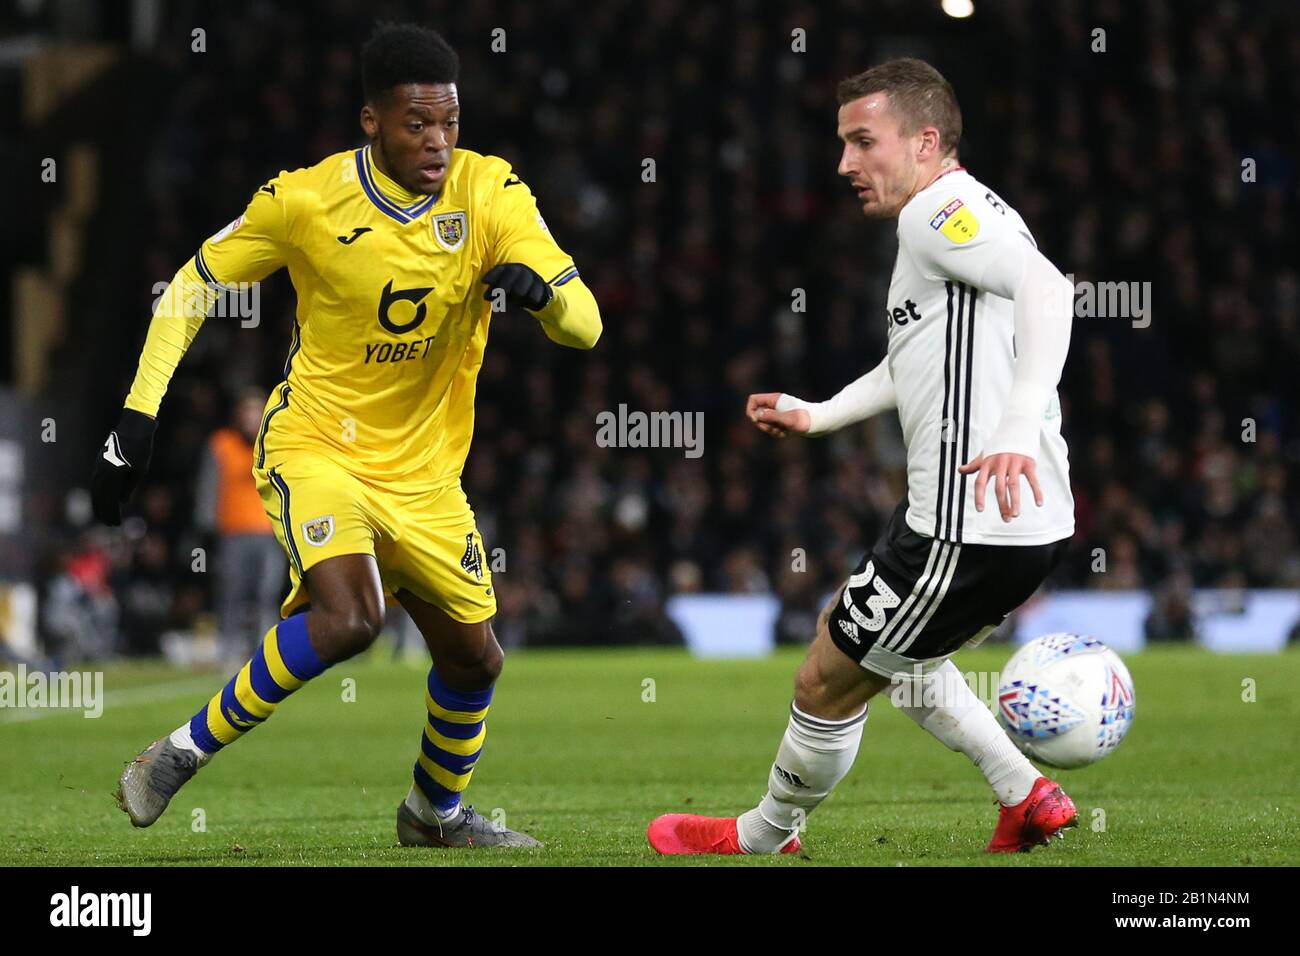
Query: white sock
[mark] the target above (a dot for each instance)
(759, 836)
(419, 804)
(943, 704)
(814, 756)
(180, 737)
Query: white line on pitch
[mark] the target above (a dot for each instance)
(129, 697)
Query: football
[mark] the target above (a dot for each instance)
(1066, 700)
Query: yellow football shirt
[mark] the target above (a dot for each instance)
(390, 324)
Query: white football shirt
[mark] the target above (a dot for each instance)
(951, 356)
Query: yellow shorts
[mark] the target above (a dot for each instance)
(422, 537)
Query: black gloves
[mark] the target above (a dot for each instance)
(523, 286)
(121, 464)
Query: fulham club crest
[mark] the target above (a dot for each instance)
(449, 228)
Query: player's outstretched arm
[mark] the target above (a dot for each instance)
(124, 457)
(779, 414)
(248, 249)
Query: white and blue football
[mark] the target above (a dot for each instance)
(1066, 700)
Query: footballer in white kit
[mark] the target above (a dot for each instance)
(978, 330)
(945, 571)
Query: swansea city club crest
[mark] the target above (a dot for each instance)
(449, 228)
(317, 531)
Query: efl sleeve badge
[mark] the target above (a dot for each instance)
(956, 221)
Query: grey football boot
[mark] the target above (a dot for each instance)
(150, 780)
(469, 829)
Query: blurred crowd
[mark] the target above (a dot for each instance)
(1127, 164)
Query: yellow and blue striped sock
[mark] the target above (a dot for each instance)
(283, 662)
(451, 744)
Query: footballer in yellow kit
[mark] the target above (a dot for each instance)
(400, 252)
(362, 444)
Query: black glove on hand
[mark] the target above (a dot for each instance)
(122, 462)
(523, 286)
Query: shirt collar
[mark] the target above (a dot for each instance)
(388, 196)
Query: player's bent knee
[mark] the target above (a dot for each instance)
(811, 689)
(811, 692)
(486, 668)
(350, 632)
(493, 663)
(824, 618)
(469, 658)
(367, 626)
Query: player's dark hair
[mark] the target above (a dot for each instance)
(918, 95)
(401, 53)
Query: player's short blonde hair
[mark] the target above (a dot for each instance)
(918, 95)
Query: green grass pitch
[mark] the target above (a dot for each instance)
(577, 756)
